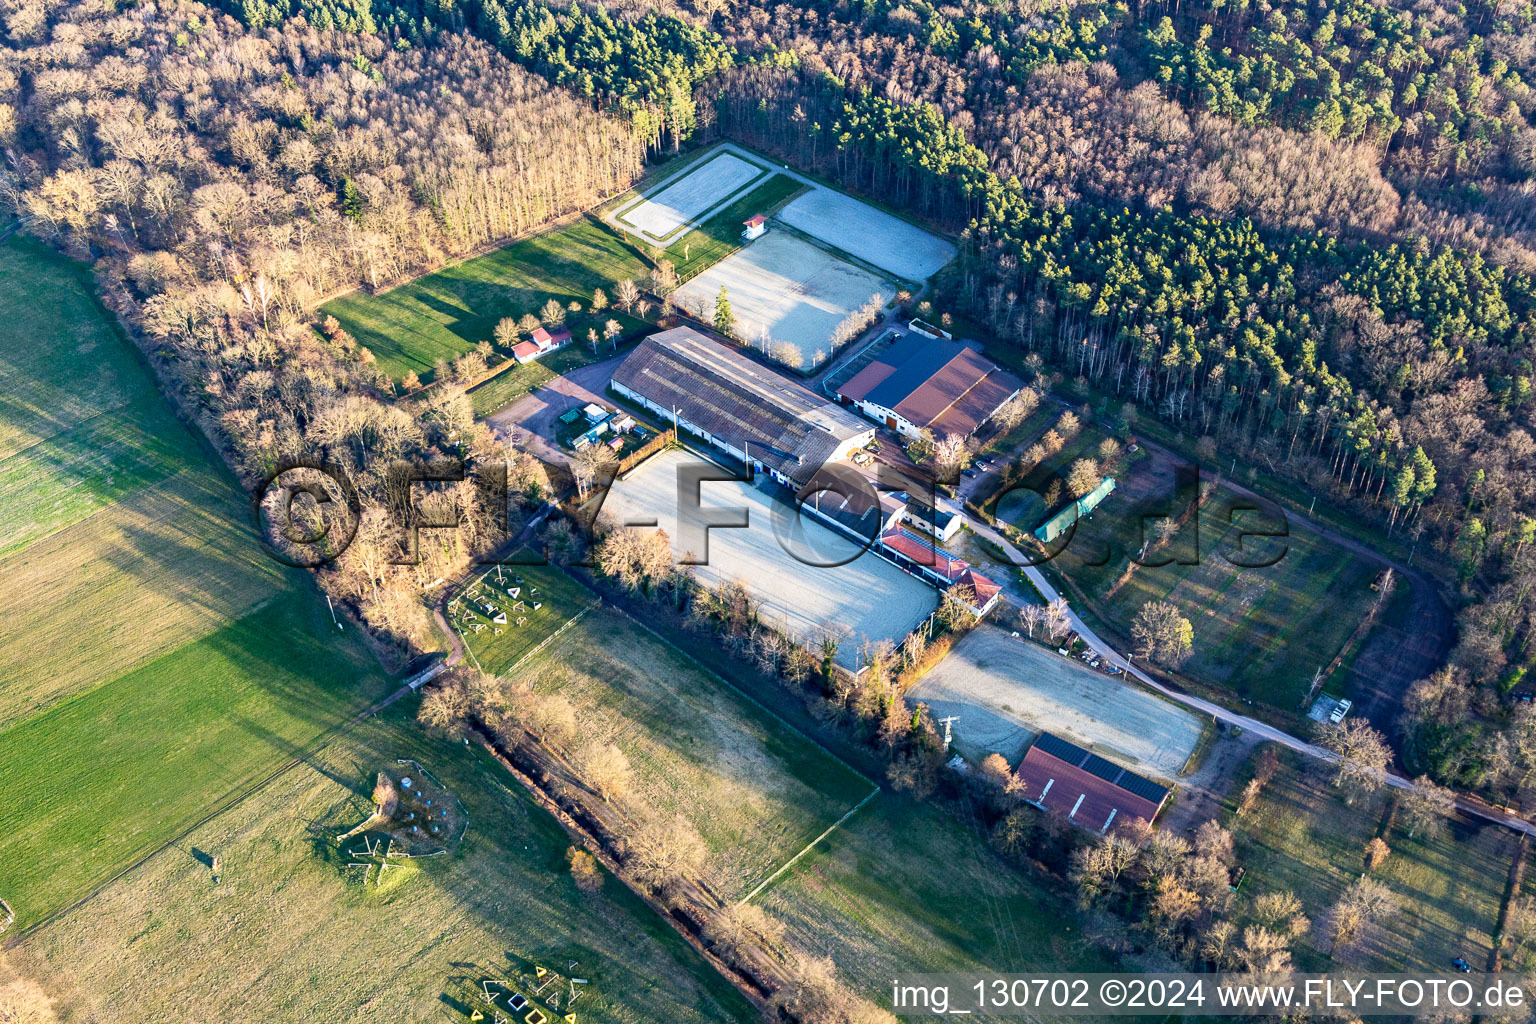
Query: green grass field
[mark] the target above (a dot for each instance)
(514, 382)
(1301, 836)
(286, 935)
(902, 887)
(755, 789)
(153, 660)
(1261, 632)
(447, 313)
(497, 647)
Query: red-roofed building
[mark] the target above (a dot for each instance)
(916, 553)
(755, 226)
(1090, 791)
(540, 343)
(922, 383)
(985, 590)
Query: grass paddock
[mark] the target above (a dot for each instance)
(288, 934)
(447, 313)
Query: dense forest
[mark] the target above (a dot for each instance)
(224, 182)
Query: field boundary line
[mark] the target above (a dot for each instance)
(551, 638)
(765, 883)
(765, 709)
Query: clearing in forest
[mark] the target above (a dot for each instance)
(447, 313)
(1267, 612)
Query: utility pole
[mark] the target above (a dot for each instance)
(947, 722)
(332, 608)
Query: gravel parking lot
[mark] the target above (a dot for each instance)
(871, 235)
(788, 288)
(691, 197)
(868, 598)
(1006, 691)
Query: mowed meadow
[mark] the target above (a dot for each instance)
(755, 789)
(153, 663)
(289, 933)
(445, 314)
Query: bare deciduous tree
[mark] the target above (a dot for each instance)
(1362, 752)
(1162, 634)
(605, 768)
(1017, 409)
(1426, 807)
(1082, 477)
(627, 294)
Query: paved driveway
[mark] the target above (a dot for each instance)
(531, 420)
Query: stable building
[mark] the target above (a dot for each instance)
(862, 511)
(921, 558)
(1091, 791)
(924, 383)
(742, 409)
(939, 521)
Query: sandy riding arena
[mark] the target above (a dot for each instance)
(869, 598)
(691, 197)
(1004, 691)
(787, 289)
(868, 234)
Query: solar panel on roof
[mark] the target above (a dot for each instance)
(1102, 768)
(1144, 788)
(1058, 747)
(1106, 770)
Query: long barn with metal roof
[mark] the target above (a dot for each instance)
(734, 404)
(1091, 791)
